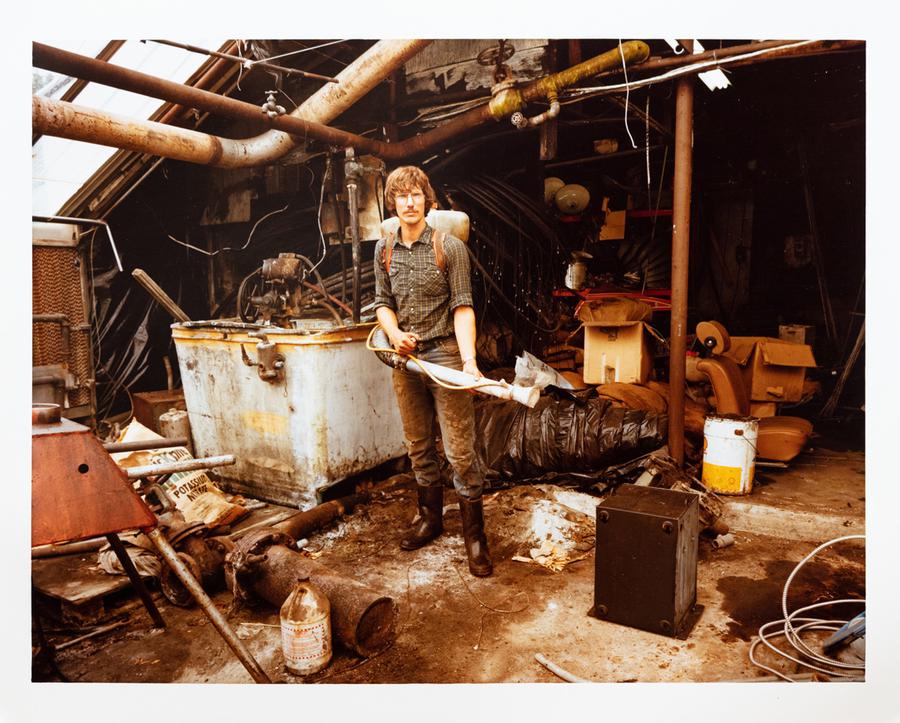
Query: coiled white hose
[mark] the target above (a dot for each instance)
(793, 634)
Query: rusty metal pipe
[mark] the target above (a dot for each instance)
(187, 465)
(361, 618)
(212, 612)
(634, 51)
(326, 104)
(214, 76)
(67, 548)
(507, 103)
(116, 76)
(205, 557)
(356, 80)
(819, 47)
(67, 120)
(303, 523)
(352, 171)
(681, 235)
(142, 444)
(50, 117)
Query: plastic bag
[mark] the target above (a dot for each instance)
(561, 435)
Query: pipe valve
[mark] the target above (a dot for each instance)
(270, 107)
(519, 120)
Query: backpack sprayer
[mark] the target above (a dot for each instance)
(446, 377)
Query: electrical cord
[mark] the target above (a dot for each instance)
(228, 248)
(627, 94)
(574, 95)
(793, 634)
(325, 176)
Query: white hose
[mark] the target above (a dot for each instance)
(523, 395)
(792, 634)
(556, 670)
(453, 378)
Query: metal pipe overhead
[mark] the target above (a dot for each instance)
(197, 148)
(327, 103)
(67, 120)
(681, 235)
(307, 121)
(654, 65)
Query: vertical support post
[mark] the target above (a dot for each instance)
(352, 173)
(824, 296)
(681, 235)
(549, 129)
(210, 269)
(391, 129)
(574, 52)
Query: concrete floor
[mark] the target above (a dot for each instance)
(454, 628)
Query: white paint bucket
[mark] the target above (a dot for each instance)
(306, 630)
(729, 453)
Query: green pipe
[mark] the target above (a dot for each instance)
(509, 100)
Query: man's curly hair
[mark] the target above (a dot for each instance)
(403, 180)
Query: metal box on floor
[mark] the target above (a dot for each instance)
(646, 559)
(150, 406)
(329, 412)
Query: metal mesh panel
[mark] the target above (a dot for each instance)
(56, 289)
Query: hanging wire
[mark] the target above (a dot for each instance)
(295, 52)
(627, 94)
(325, 176)
(288, 97)
(229, 248)
(457, 108)
(240, 52)
(574, 95)
(647, 146)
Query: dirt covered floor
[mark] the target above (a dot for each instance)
(454, 628)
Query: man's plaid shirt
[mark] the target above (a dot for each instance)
(422, 295)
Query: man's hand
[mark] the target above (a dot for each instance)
(404, 341)
(471, 367)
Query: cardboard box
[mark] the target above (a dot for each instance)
(773, 369)
(798, 333)
(616, 345)
(763, 409)
(617, 353)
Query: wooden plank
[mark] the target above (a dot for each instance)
(75, 579)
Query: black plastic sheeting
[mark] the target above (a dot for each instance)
(560, 435)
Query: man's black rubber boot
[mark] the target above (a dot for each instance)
(430, 522)
(472, 513)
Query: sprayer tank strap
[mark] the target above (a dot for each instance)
(437, 240)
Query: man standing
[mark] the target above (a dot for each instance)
(423, 301)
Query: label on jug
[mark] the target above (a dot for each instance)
(306, 646)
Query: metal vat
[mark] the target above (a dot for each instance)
(328, 413)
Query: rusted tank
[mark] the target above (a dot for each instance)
(299, 408)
